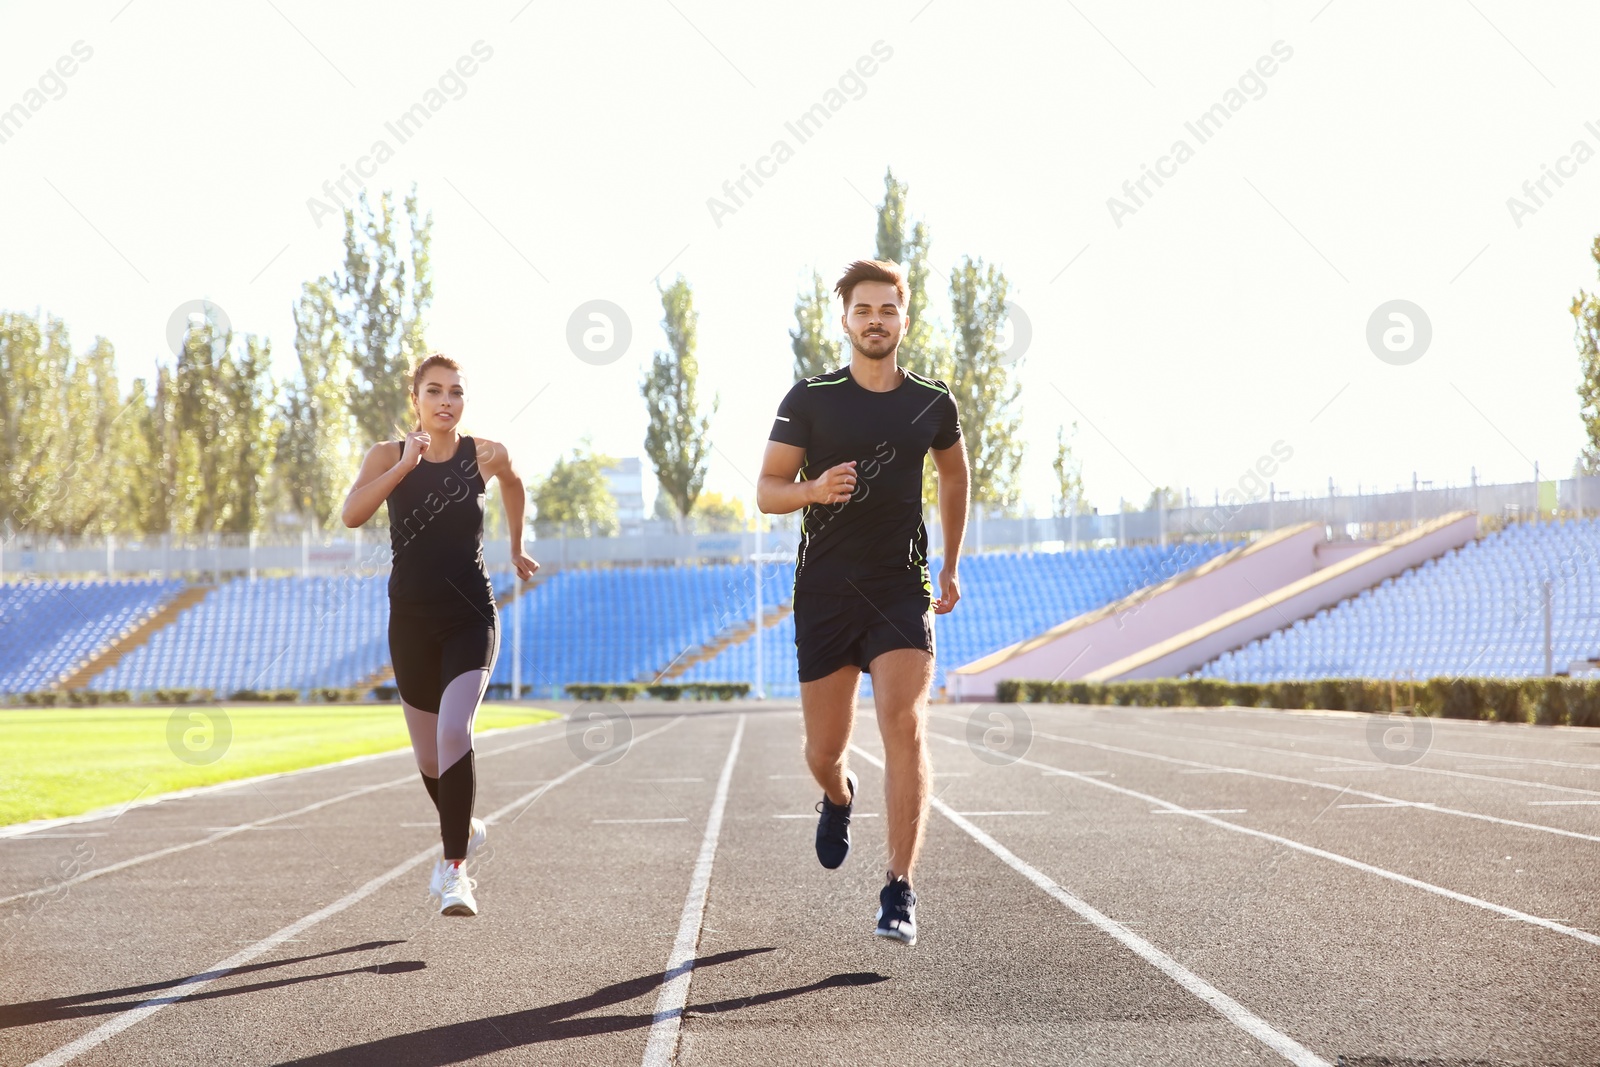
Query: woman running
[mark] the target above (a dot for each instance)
(444, 633)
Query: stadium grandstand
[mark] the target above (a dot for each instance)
(1478, 610)
(685, 610)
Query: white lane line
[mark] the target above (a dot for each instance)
(120, 1022)
(974, 814)
(1220, 1002)
(1439, 726)
(1092, 774)
(662, 1048)
(189, 986)
(1312, 850)
(1198, 811)
(857, 815)
(226, 832)
(620, 822)
(216, 836)
(113, 810)
(1366, 765)
(1342, 790)
(1207, 770)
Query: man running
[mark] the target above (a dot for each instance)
(857, 437)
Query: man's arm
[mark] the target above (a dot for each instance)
(777, 493)
(951, 465)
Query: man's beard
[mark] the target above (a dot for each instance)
(860, 347)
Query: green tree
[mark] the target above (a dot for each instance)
(1068, 471)
(225, 432)
(574, 497)
(1586, 316)
(925, 348)
(91, 489)
(1165, 496)
(385, 292)
(142, 501)
(815, 338)
(677, 441)
(986, 395)
(60, 415)
(715, 513)
(248, 429)
(318, 448)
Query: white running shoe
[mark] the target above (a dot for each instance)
(480, 833)
(436, 881)
(455, 894)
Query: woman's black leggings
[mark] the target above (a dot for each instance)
(442, 662)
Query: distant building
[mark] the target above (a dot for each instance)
(625, 480)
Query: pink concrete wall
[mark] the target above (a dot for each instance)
(1260, 577)
(1334, 584)
(1138, 624)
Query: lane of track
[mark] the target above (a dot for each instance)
(1311, 945)
(1001, 973)
(347, 855)
(584, 930)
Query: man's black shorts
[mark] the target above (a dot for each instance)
(833, 630)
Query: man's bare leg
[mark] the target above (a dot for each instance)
(900, 683)
(829, 708)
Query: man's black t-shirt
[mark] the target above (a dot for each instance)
(875, 542)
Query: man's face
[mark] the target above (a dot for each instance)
(875, 319)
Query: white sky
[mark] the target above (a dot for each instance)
(1227, 314)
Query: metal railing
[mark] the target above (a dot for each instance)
(1359, 516)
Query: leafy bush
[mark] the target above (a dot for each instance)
(386, 692)
(179, 696)
(604, 691)
(1546, 701)
(328, 694)
(664, 691)
(282, 696)
(1502, 700)
(1583, 703)
(717, 690)
(1246, 694)
(1328, 693)
(48, 699)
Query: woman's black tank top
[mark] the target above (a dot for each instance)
(436, 535)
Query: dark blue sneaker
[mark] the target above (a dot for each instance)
(833, 827)
(897, 912)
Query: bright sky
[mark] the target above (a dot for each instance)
(1227, 313)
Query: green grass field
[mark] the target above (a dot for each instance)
(65, 761)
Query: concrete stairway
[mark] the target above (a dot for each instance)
(728, 635)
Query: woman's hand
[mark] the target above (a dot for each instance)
(524, 563)
(417, 442)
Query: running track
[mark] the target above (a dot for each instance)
(1143, 887)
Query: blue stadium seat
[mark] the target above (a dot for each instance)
(1474, 611)
(49, 629)
(272, 633)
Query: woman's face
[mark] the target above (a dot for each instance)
(440, 398)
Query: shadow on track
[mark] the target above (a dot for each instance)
(460, 1042)
(75, 1007)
